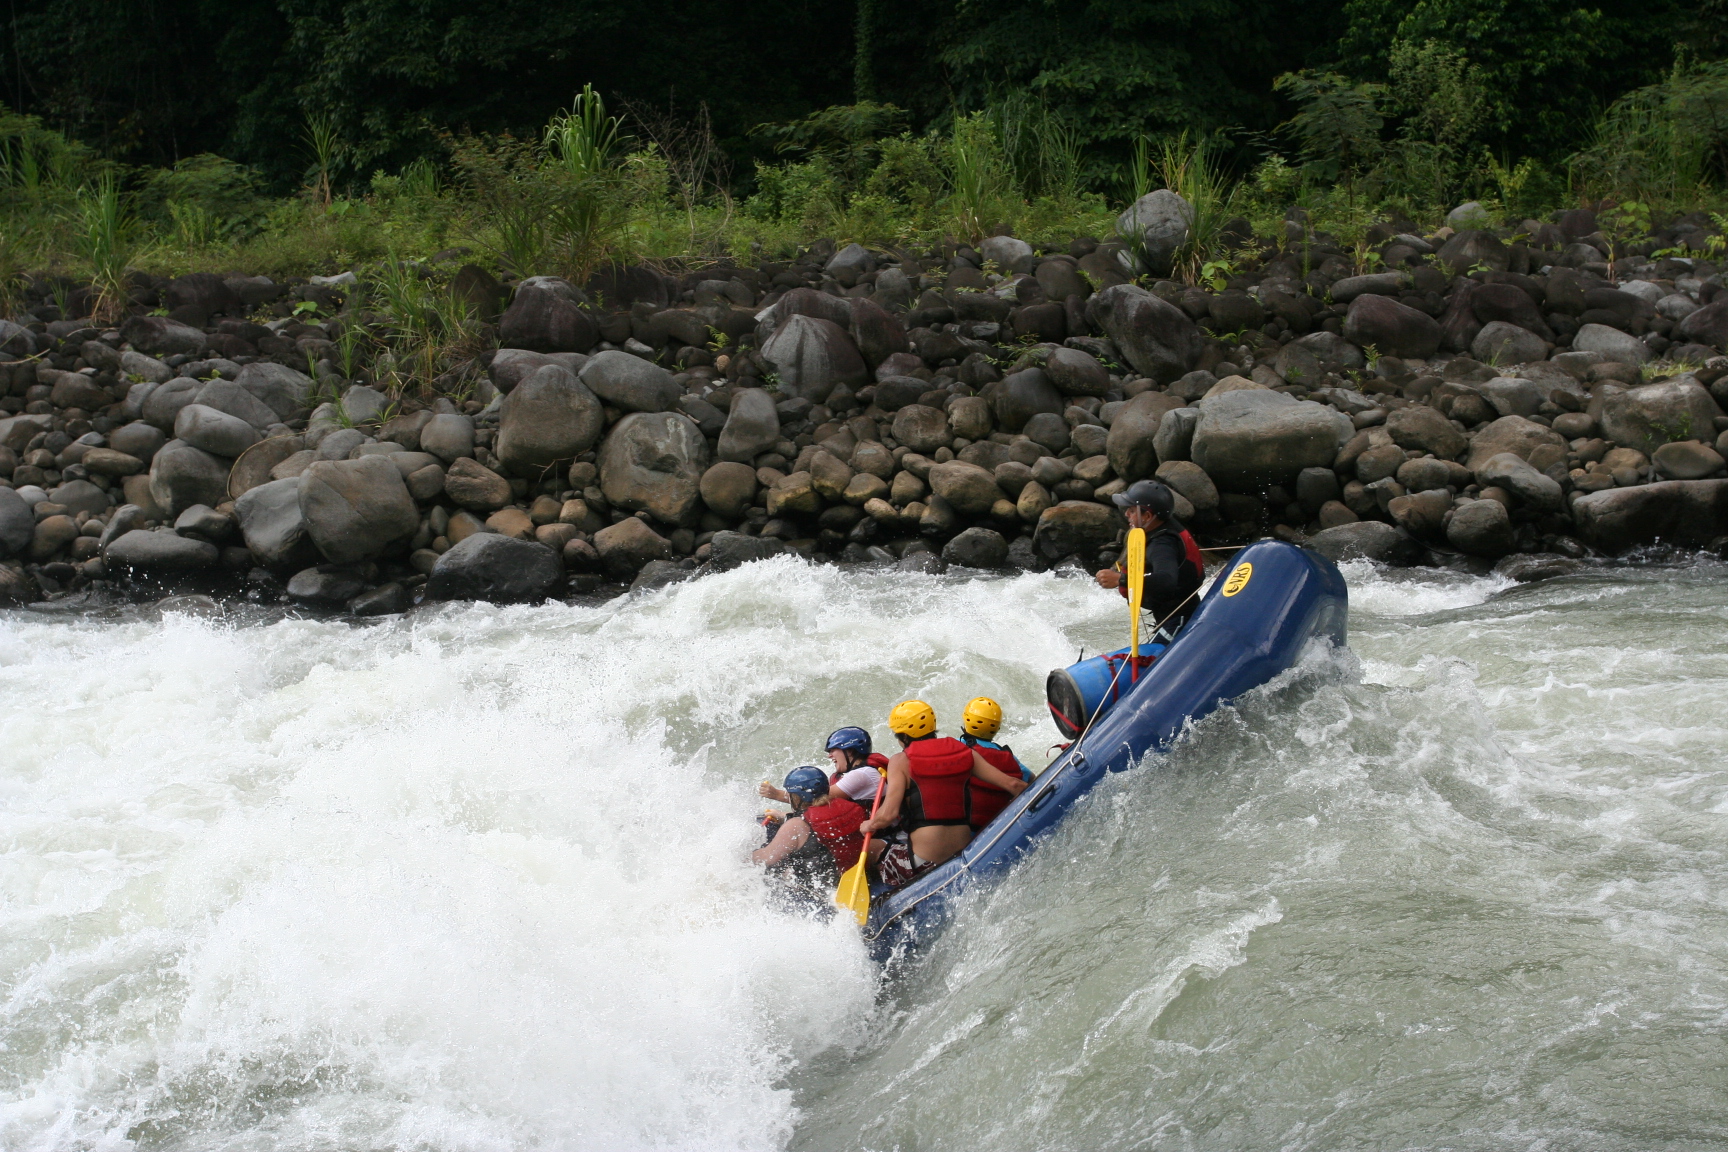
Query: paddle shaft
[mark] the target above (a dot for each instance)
(1136, 550)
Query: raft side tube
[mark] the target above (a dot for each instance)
(1252, 624)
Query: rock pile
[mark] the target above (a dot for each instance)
(1477, 392)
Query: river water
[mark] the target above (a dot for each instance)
(473, 880)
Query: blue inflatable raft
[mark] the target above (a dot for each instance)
(1252, 624)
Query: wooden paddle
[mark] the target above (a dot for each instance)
(854, 890)
(1136, 586)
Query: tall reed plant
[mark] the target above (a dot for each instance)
(1191, 168)
(105, 236)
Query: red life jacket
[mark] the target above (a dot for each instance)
(836, 827)
(941, 766)
(987, 799)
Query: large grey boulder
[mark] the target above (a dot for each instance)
(1076, 526)
(630, 382)
(1157, 224)
(490, 566)
(1252, 437)
(231, 397)
(1706, 325)
(544, 317)
(1612, 343)
(1175, 435)
(1157, 337)
(1391, 327)
(1512, 434)
(626, 546)
(1422, 429)
(849, 263)
(216, 432)
(730, 550)
(1006, 251)
(1191, 481)
(182, 475)
(922, 429)
(970, 489)
(1512, 395)
(1516, 476)
(1022, 395)
(1076, 373)
(161, 336)
(1650, 415)
(653, 462)
(1482, 528)
(448, 436)
(147, 368)
(286, 392)
(273, 526)
(1363, 540)
(356, 509)
(511, 366)
(547, 418)
(977, 548)
(1503, 343)
(1132, 444)
(752, 426)
(811, 356)
(1372, 284)
(138, 439)
(1687, 512)
(79, 496)
(164, 402)
(163, 551)
(17, 523)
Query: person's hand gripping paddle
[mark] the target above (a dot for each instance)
(854, 890)
(1136, 589)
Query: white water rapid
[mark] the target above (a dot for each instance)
(473, 879)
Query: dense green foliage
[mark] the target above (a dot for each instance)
(548, 136)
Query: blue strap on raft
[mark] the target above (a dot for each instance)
(1253, 623)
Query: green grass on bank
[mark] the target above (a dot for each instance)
(595, 189)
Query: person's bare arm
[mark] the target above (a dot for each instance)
(892, 795)
(990, 774)
(768, 792)
(788, 840)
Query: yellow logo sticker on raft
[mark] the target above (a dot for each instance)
(1238, 579)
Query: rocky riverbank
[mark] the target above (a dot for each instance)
(1474, 394)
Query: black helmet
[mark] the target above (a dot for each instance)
(1148, 494)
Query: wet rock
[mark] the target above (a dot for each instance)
(1512, 396)
(728, 488)
(448, 436)
(79, 496)
(1512, 434)
(164, 403)
(971, 490)
(922, 429)
(1158, 338)
(1541, 566)
(1422, 513)
(793, 495)
(160, 336)
(384, 600)
(630, 383)
(829, 475)
(1481, 528)
(731, 549)
(325, 586)
(1022, 395)
(1512, 473)
(1685, 512)
(1076, 373)
(1611, 343)
(1393, 328)
(1363, 540)
(811, 356)
(228, 396)
(969, 416)
(286, 392)
(1132, 443)
(627, 545)
(182, 475)
(1248, 438)
(976, 548)
(1706, 325)
(752, 426)
(52, 533)
(1503, 343)
(876, 332)
(272, 525)
(1075, 526)
(548, 418)
(1175, 436)
(356, 510)
(544, 316)
(1686, 460)
(487, 566)
(658, 574)
(1650, 415)
(1422, 429)
(653, 462)
(162, 551)
(474, 486)
(17, 524)
(1191, 481)
(205, 523)
(1049, 430)
(138, 439)
(215, 432)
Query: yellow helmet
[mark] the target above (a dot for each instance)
(983, 717)
(912, 718)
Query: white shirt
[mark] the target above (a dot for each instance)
(860, 785)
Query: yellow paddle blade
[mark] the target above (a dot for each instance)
(854, 891)
(1136, 584)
